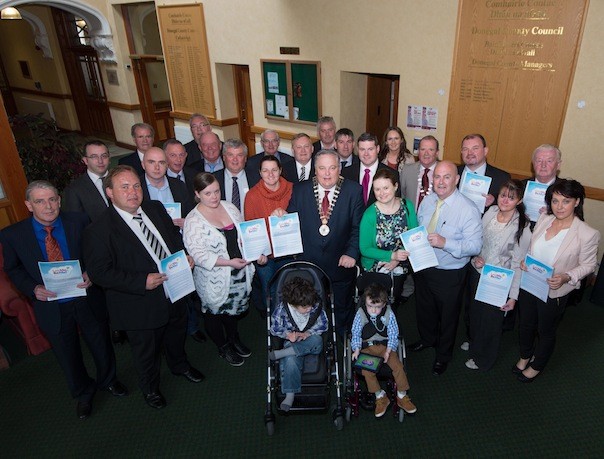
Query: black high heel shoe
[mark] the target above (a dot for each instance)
(525, 379)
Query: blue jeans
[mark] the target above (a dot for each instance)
(291, 366)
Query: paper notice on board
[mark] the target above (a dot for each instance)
(272, 79)
(281, 105)
(270, 107)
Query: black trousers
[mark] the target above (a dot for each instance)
(438, 303)
(67, 348)
(221, 328)
(147, 346)
(486, 323)
(538, 322)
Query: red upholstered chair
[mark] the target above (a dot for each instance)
(17, 311)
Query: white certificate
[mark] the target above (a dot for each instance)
(180, 278)
(494, 285)
(285, 235)
(421, 253)
(254, 239)
(534, 279)
(534, 199)
(476, 187)
(61, 277)
(173, 209)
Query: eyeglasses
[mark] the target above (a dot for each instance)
(199, 126)
(104, 156)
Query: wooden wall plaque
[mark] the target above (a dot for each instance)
(512, 75)
(185, 45)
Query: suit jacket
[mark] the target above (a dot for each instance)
(343, 237)
(179, 193)
(317, 147)
(310, 171)
(352, 173)
(408, 180)
(252, 168)
(577, 255)
(220, 177)
(132, 160)
(118, 261)
(189, 174)
(81, 195)
(498, 176)
(22, 254)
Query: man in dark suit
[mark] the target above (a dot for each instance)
(86, 193)
(176, 156)
(326, 130)
(270, 143)
(210, 148)
(330, 209)
(474, 154)
(234, 180)
(345, 148)
(156, 185)
(143, 135)
(303, 153)
(122, 250)
(50, 235)
(199, 125)
(368, 146)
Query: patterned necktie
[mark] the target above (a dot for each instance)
(425, 187)
(325, 204)
(366, 186)
(53, 250)
(236, 198)
(303, 174)
(434, 220)
(153, 241)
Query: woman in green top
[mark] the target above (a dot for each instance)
(381, 226)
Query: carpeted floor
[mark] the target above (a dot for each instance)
(460, 414)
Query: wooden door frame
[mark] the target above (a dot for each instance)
(245, 112)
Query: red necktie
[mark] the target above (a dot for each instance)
(325, 204)
(53, 250)
(425, 187)
(366, 186)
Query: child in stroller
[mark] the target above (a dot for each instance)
(299, 320)
(375, 332)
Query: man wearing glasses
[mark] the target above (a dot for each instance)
(86, 193)
(270, 143)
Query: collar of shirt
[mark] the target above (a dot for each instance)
(98, 183)
(306, 168)
(213, 167)
(160, 188)
(140, 155)
(322, 192)
(175, 175)
(481, 170)
(372, 170)
(58, 233)
(95, 177)
(348, 161)
(551, 182)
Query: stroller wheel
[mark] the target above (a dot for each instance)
(348, 413)
(270, 428)
(339, 422)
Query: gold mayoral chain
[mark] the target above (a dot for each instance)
(324, 228)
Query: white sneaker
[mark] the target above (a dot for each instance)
(465, 346)
(471, 364)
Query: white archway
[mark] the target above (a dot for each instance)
(100, 32)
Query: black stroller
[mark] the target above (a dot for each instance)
(321, 370)
(356, 395)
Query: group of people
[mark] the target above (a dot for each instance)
(352, 209)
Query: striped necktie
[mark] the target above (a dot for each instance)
(236, 197)
(153, 241)
(53, 250)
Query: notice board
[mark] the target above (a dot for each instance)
(292, 90)
(183, 35)
(512, 74)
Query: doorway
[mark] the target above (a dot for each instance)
(382, 103)
(245, 112)
(84, 75)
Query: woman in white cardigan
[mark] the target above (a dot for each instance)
(222, 277)
(506, 236)
(561, 239)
